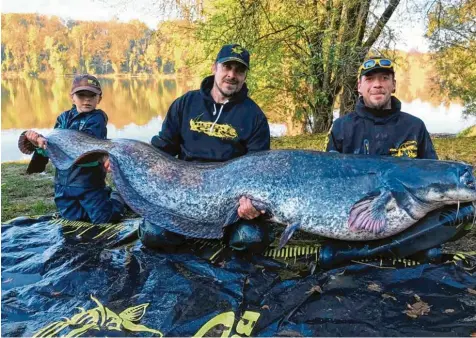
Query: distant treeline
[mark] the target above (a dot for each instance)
(33, 44)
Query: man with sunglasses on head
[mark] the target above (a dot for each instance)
(378, 126)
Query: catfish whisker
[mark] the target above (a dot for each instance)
(474, 216)
(457, 210)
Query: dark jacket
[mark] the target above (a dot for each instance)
(198, 129)
(91, 175)
(381, 132)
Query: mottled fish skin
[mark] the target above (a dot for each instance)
(348, 197)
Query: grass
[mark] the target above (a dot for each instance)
(26, 195)
(29, 195)
(470, 131)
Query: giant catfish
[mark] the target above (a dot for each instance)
(348, 197)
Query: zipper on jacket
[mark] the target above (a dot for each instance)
(366, 147)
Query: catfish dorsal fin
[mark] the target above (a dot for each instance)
(369, 213)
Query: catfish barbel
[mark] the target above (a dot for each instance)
(347, 197)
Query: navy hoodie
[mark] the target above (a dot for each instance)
(198, 129)
(381, 132)
(85, 176)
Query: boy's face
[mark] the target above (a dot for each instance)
(86, 101)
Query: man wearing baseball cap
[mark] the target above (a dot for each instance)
(378, 126)
(218, 122)
(81, 193)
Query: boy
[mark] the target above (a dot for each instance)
(80, 192)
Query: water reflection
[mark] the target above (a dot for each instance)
(439, 118)
(136, 109)
(36, 103)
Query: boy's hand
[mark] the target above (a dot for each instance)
(35, 138)
(246, 210)
(107, 164)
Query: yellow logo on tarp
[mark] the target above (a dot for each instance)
(226, 321)
(406, 149)
(97, 319)
(224, 131)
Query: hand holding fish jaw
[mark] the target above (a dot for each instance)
(246, 210)
(37, 139)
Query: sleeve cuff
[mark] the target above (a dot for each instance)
(41, 151)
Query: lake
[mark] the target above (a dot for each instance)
(137, 107)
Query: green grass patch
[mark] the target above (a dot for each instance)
(26, 195)
(468, 132)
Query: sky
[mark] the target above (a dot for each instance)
(410, 32)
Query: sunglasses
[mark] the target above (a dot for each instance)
(383, 63)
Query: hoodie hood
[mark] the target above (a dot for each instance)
(378, 116)
(207, 85)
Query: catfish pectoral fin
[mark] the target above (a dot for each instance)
(369, 213)
(287, 234)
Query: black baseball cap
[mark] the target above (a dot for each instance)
(234, 52)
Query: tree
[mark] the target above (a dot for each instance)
(452, 34)
(305, 52)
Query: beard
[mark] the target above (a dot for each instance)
(380, 105)
(225, 92)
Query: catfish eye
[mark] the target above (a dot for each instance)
(467, 179)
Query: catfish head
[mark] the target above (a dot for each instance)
(434, 184)
(410, 191)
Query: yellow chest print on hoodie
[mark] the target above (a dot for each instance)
(223, 131)
(406, 149)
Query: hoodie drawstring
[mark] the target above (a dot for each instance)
(219, 114)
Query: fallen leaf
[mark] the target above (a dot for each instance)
(471, 291)
(417, 297)
(7, 280)
(56, 293)
(449, 311)
(315, 288)
(420, 308)
(289, 333)
(265, 307)
(339, 299)
(374, 287)
(386, 296)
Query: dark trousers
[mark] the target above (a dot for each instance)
(95, 205)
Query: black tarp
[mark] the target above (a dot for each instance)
(71, 278)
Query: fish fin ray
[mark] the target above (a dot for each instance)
(287, 234)
(232, 216)
(369, 213)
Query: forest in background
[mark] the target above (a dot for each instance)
(305, 54)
